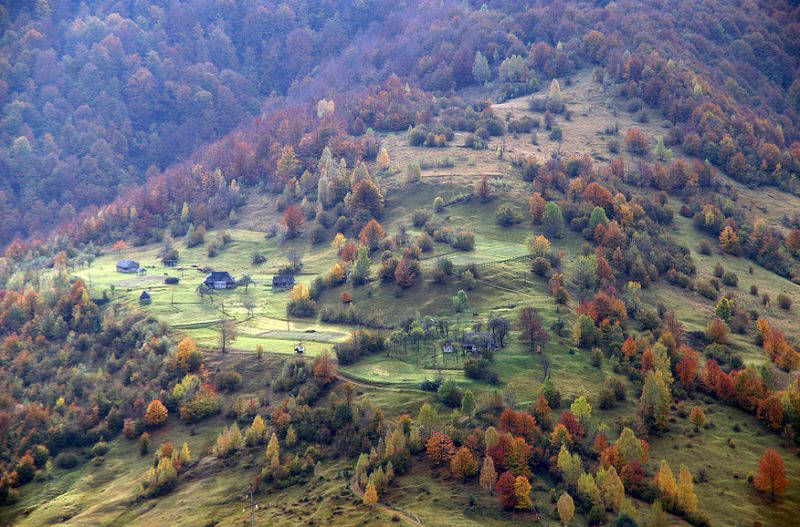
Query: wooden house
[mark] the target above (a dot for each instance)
(127, 266)
(283, 281)
(220, 280)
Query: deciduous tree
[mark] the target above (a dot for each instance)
(771, 476)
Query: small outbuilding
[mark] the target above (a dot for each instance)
(171, 280)
(127, 266)
(144, 298)
(220, 280)
(170, 263)
(476, 342)
(283, 281)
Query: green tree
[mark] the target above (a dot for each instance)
(655, 400)
(468, 403)
(360, 273)
(480, 68)
(460, 301)
(553, 220)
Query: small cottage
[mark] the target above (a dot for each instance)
(283, 281)
(144, 298)
(476, 341)
(170, 263)
(127, 266)
(447, 347)
(220, 280)
(171, 280)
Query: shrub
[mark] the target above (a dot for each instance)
(450, 394)
(541, 266)
(67, 460)
(477, 368)
(719, 271)
(438, 204)
(463, 241)
(228, 380)
(420, 217)
(706, 289)
(100, 448)
(302, 308)
(784, 301)
(431, 385)
(507, 215)
(754, 290)
(730, 279)
(359, 344)
(705, 248)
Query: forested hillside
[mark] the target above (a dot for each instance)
(96, 96)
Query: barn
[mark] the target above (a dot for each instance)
(127, 266)
(220, 280)
(282, 281)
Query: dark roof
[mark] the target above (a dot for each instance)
(283, 279)
(144, 296)
(219, 276)
(128, 264)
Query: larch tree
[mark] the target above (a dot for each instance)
(480, 68)
(655, 400)
(665, 482)
(273, 448)
(687, 499)
(522, 490)
(613, 489)
(566, 508)
(488, 478)
(370, 495)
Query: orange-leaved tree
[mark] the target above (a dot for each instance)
(771, 475)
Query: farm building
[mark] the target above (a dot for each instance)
(282, 281)
(475, 342)
(171, 280)
(127, 266)
(170, 263)
(144, 298)
(220, 280)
